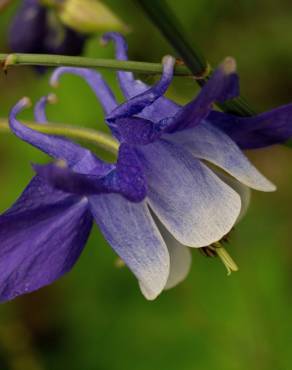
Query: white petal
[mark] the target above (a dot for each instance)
(180, 257)
(194, 205)
(209, 143)
(132, 233)
(242, 190)
(180, 261)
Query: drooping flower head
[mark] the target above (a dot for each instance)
(179, 182)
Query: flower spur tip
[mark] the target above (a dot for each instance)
(25, 102)
(61, 163)
(229, 65)
(168, 59)
(107, 37)
(54, 80)
(54, 83)
(52, 98)
(103, 41)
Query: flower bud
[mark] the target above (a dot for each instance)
(89, 16)
(28, 27)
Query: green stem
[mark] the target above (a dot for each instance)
(98, 138)
(165, 20)
(162, 16)
(72, 61)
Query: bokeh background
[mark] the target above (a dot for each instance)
(95, 317)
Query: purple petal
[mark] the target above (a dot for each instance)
(88, 162)
(132, 233)
(94, 80)
(222, 85)
(208, 143)
(126, 178)
(36, 195)
(40, 108)
(64, 179)
(79, 158)
(136, 130)
(157, 111)
(265, 129)
(194, 205)
(129, 177)
(129, 85)
(41, 239)
(136, 104)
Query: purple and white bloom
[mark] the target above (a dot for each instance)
(179, 182)
(36, 29)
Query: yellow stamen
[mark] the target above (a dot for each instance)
(227, 260)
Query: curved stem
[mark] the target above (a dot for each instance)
(165, 20)
(96, 137)
(163, 17)
(49, 60)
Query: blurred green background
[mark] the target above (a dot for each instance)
(95, 318)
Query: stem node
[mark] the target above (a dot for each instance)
(10, 60)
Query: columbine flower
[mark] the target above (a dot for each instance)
(44, 232)
(179, 182)
(36, 29)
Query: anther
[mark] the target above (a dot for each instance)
(225, 257)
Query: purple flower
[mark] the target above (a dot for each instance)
(35, 29)
(179, 182)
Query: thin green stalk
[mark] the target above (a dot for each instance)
(96, 137)
(19, 59)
